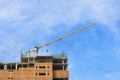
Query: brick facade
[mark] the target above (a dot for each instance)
(35, 68)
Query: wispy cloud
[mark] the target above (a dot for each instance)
(67, 12)
(106, 13)
(9, 10)
(24, 24)
(112, 76)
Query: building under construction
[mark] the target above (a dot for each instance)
(38, 67)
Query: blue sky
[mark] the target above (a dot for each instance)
(95, 51)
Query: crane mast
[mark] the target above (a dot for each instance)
(36, 49)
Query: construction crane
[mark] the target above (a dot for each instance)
(36, 49)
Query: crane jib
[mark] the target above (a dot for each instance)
(36, 49)
(60, 38)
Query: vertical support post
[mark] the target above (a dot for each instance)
(63, 64)
(28, 58)
(28, 62)
(16, 66)
(34, 57)
(5, 66)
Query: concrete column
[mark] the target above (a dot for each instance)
(63, 64)
(63, 67)
(62, 61)
(28, 65)
(5, 66)
(16, 66)
(28, 59)
(34, 58)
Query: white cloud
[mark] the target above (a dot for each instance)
(105, 13)
(112, 75)
(10, 10)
